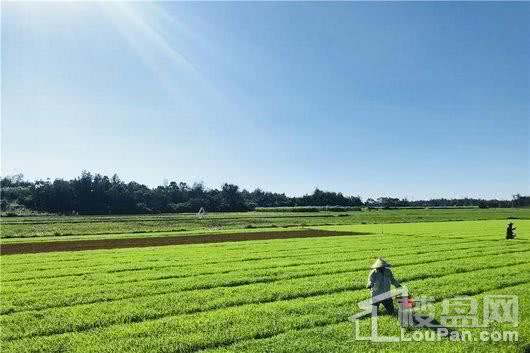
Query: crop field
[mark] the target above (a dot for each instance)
(276, 295)
(264, 176)
(83, 227)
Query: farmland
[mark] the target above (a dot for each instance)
(288, 295)
(264, 177)
(83, 227)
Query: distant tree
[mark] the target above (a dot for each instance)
(520, 201)
(99, 194)
(231, 199)
(371, 203)
(63, 197)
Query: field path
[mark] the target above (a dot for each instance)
(96, 244)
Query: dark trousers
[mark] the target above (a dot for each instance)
(387, 304)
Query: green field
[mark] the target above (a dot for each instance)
(20, 228)
(292, 295)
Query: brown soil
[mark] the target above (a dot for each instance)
(96, 244)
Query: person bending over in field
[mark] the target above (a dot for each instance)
(510, 234)
(379, 281)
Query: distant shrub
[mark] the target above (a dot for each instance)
(182, 207)
(143, 208)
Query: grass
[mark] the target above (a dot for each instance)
(16, 229)
(287, 295)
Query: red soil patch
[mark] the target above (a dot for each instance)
(97, 244)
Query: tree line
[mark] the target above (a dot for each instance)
(98, 194)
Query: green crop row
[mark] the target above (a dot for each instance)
(199, 264)
(230, 252)
(339, 337)
(348, 259)
(193, 332)
(60, 227)
(82, 317)
(288, 295)
(131, 286)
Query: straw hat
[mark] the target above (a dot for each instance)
(380, 262)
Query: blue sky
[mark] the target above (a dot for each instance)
(411, 99)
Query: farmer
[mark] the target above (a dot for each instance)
(379, 281)
(510, 234)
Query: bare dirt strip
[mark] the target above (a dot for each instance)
(97, 244)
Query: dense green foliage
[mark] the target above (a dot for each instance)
(44, 227)
(97, 194)
(277, 296)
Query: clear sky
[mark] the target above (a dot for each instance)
(411, 99)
